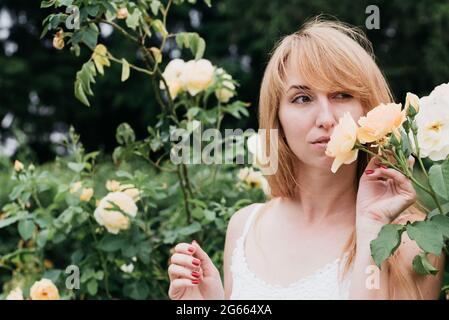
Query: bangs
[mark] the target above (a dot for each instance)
(329, 61)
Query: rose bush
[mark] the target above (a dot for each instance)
(91, 226)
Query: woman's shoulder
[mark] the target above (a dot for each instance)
(240, 217)
(238, 220)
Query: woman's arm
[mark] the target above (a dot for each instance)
(234, 231)
(362, 288)
(368, 281)
(430, 286)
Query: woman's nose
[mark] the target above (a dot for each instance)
(325, 117)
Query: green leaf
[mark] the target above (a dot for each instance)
(198, 46)
(138, 290)
(155, 5)
(190, 229)
(439, 179)
(77, 167)
(47, 4)
(386, 243)
(442, 224)
(125, 134)
(87, 274)
(8, 221)
(42, 238)
(26, 229)
(132, 21)
(125, 70)
(52, 274)
(427, 236)
(158, 26)
(111, 243)
(193, 41)
(89, 36)
(84, 78)
(209, 215)
(124, 174)
(406, 147)
(436, 211)
(422, 266)
(92, 287)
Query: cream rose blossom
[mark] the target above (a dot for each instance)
(15, 294)
(115, 220)
(18, 166)
(44, 289)
(254, 179)
(432, 121)
(197, 75)
(172, 75)
(380, 121)
(86, 194)
(112, 185)
(342, 142)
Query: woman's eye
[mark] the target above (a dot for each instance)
(343, 95)
(301, 99)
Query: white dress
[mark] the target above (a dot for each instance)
(323, 284)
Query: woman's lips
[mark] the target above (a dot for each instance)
(320, 145)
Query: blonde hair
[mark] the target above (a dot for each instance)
(332, 56)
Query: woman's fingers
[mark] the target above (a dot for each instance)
(185, 248)
(183, 283)
(185, 260)
(176, 271)
(401, 180)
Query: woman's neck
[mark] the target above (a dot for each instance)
(323, 195)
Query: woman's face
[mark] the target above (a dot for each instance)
(307, 114)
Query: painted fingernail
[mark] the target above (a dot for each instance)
(195, 281)
(195, 274)
(190, 249)
(383, 166)
(369, 171)
(196, 262)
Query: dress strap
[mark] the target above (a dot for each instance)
(250, 219)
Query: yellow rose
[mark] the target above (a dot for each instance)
(342, 141)
(380, 121)
(256, 148)
(413, 100)
(75, 186)
(58, 40)
(18, 166)
(122, 13)
(115, 220)
(86, 194)
(44, 290)
(112, 185)
(131, 191)
(197, 75)
(15, 294)
(254, 179)
(172, 75)
(433, 124)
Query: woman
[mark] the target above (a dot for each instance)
(301, 244)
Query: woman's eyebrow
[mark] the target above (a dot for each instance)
(299, 87)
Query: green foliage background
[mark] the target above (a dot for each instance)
(412, 48)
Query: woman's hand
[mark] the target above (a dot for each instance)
(383, 194)
(193, 276)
